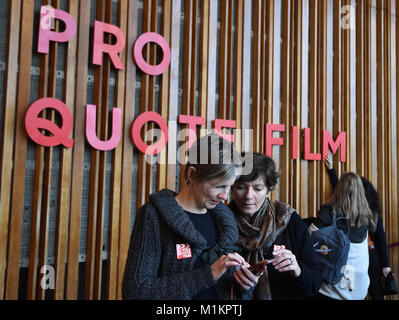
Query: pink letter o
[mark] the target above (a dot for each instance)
(138, 53)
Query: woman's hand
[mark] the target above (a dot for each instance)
(285, 260)
(228, 261)
(245, 278)
(328, 162)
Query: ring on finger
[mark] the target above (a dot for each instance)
(291, 261)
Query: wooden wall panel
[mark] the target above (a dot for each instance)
(20, 147)
(83, 29)
(301, 63)
(7, 139)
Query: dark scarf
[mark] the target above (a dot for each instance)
(258, 233)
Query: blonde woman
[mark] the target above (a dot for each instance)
(348, 200)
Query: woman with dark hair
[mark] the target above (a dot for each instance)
(182, 245)
(349, 201)
(378, 251)
(275, 234)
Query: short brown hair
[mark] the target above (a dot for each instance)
(264, 167)
(213, 158)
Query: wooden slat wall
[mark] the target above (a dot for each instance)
(294, 62)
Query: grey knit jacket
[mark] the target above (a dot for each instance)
(152, 269)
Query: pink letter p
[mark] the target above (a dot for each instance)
(47, 14)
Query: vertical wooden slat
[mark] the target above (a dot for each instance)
(112, 271)
(368, 119)
(297, 104)
(346, 93)
(286, 119)
(35, 227)
(151, 96)
(144, 101)
(7, 141)
(212, 55)
(238, 53)
(189, 68)
(173, 85)
(99, 182)
(337, 77)
(48, 163)
(360, 91)
(163, 100)
(194, 53)
(65, 165)
(313, 206)
(304, 185)
(203, 63)
(18, 177)
(83, 29)
(395, 153)
(322, 96)
(277, 56)
(127, 148)
(246, 77)
(268, 21)
(388, 118)
(95, 213)
(257, 74)
(381, 106)
(189, 55)
(223, 64)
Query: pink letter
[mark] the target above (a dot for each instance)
(91, 129)
(138, 53)
(192, 122)
(307, 154)
(136, 129)
(219, 124)
(270, 141)
(99, 47)
(294, 142)
(329, 141)
(59, 135)
(47, 13)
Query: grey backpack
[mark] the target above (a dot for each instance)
(332, 247)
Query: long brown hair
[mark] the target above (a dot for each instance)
(349, 200)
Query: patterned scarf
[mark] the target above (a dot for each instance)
(257, 234)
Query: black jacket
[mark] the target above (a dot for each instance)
(152, 269)
(282, 284)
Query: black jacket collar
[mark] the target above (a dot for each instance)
(175, 217)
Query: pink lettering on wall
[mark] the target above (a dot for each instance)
(306, 148)
(270, 140)
(136, 130)
(193, 122)
(138, 53)
(99, 47)
(340, 142)
(47, 14)
(219, 124)
(33, 124)
(91, 135)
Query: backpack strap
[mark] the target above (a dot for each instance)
(335, 219)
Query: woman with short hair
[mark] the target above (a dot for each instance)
(182, 245)
(273, 232)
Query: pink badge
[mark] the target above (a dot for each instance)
(183, 251)
(278, 247)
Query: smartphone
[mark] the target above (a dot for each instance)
(257, 269)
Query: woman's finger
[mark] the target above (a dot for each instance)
(244, 284)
